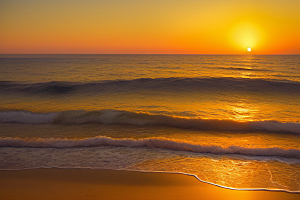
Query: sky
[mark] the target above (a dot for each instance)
(149, 26)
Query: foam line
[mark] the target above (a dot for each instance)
(162, 143)
(125, 117)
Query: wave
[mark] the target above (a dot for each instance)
(158, 84)
(162, 143)
(132, 118)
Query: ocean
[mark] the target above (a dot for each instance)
(229, 120)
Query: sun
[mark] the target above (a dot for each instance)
(245, 35)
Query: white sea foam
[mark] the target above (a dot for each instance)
(162, 143)
(26, 117)
(275, 126)
(124, 117)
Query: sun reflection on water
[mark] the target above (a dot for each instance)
(242, 112)
(228, 172)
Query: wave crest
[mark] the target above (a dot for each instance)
(157, 84)
(162, 143)
(132, 118)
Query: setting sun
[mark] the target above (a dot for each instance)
(246, 34)
(149, 27)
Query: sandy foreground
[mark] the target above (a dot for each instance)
(73, 184)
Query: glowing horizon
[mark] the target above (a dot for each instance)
(149, 27)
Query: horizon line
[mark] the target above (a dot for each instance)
(246, 54)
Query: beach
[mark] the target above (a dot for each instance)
(116, 184)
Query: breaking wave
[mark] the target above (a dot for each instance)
(162, 143)
(132, 118)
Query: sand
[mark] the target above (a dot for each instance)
(84, 184)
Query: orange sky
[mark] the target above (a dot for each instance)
(150, 26)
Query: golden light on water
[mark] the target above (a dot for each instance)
(229, 172)
(242, 112)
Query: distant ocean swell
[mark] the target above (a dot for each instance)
(158, 84)
(132, 118)
(162, 143)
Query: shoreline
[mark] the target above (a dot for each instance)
(107, 184)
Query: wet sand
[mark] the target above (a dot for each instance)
(81, 184)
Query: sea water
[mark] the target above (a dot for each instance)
(230, 120)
